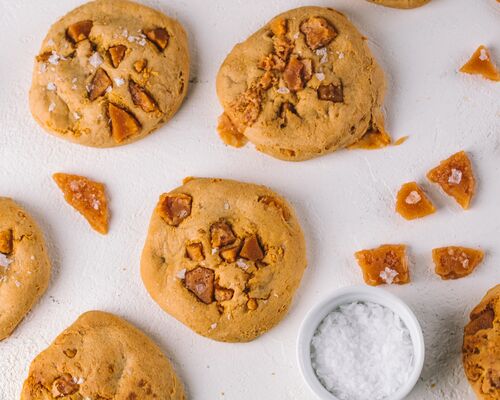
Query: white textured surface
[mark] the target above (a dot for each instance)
(345, 200)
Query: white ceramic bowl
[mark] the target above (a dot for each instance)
(349, 295)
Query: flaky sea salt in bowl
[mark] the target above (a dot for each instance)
(361, 343)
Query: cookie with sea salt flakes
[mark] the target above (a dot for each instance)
(109, 73)
(24, 265)
(401, 3)
(101, 356)
(304, 85)
(224, 257)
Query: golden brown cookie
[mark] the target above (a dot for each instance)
(109, 73)
(481, 347)
(304, 85)
(401, 3)
(102, 356)
(224, 257)
(24, 265)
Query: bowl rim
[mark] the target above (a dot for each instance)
(347, 295)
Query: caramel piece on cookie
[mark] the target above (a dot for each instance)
(174, 207)
(159, 37)
(194, 251)
(373, 139)
(221, 234)
(87, 197)
(123, 123)
(456, 177)
(318, 32)
(100, 84)
(412, 202)
(79, 31)
(251, 249)
(480, 63)
(385, 264)
(456, 262)
(200, 281)
(141, 97)
(117, 54)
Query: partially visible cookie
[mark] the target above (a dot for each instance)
(481, 347)
(224, 257)
(304, 85)
(109, 73)
(24, 265)
(102, 356)
(401, 3)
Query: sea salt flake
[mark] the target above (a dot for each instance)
(51, 86)
(340, 54)
(54, 58)
(95, 59)
(388, 275)
(296, 35)
(213, 326)
(125, 33)
(465, 263)
(119, 81)
(413, 198)
(109, 89)
(4, 261)
(74, 80)
(18, 284)
(182, 274)
(215, 250)
(323, 53)
(242, 264)
(96, 204)
(226, 206)
(455, 177)
(320, 76)
(483, 55)
(52, 106)
(43, 68)
(76, 116)
(283, 90)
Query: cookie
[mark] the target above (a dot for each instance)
(109, 73)
(304, 85)
(481, 347)
(224, 257)
(401, 3)
(24, 265)
(102, 356)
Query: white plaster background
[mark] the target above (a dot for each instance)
(344, 200)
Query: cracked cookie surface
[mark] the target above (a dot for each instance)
(109, 73)
(101, 356)
(401, 3)
(24, 265)
(304, 85)
(224, 257)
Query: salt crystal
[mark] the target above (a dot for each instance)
(283, 90)
(52, 106)
(76, 116)
(54, 58)
(413, 198)
(320, 76)
(51, 86)
(362, 351)
(96, 204)
(74, 80)
(242, 264)
(340, 54)
(226, 206)
(74, 186)
(181, 274)
(465, 263)
(74, 87)
(213, 326)
(296, 36)
(125, 33)
(455, 176)
(119, 81)
(43, 68)
(215, 250)
(483, 55)
(95, 59)
(323, 52)
(108, 89)
(388, 275)
(18, 284)
(4, 261)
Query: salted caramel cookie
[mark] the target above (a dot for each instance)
(224, 257)
(109, 73)
(24, 265)
(102, 356)
(481, 347)
(304, 85)
(401, 3)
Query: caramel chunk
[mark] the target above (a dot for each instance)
(456, 262)
(64, 386)
(223, 294)
(272, 62)
(456, 178)
(79, 31)
(117, 54)
(200, 281)
(251, 249)
(6, 242)
(279, 26)
(252, 304)
(100, 83)
(480, 63)
(230, 254)
(123, 123)
(141, 97)
(318, 32)
(228, 132)
(297, 73)
(385, 264)
(373, 139)
(221, 234)
(412, 202)
(174, 207)
(270, 201)
(331, 92)
(139, 65)
(194, 251)
(248, 105)
(159, 37)
(87, 197)
(283, 47)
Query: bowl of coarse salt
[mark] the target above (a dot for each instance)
(361, 343)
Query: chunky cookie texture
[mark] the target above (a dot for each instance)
(224, 257)
(401, 3)
(24, 265)
(304, 85)
(101, 356)
(481, 347)
(109, 73)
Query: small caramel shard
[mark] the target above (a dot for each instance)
(87, 197)
(412, 202)
(252, 304)
(141, 97)
(331, 92)
(373, 139)
(139, 65)
(279, 26)
(194, 251)
(6, 242)
(297, 73)
(223, 294)
(456, 262)
(79, 31)
(174, 207)
(456, 178)
(100, 83)
(272, 62)
(248, 105)
(318, 32)
(251, 249)
(65, 385)
(228, 132)
(480, 63)
(385, 264)
(283, 47)
(158, 36)
(230, 254)
(123, 123)
(221, 234)
(117, 54)
(200, 281)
